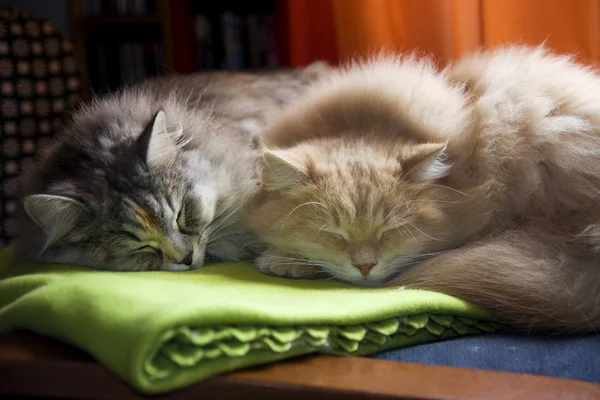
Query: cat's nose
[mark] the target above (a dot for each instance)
(188, 259)
(365, 268)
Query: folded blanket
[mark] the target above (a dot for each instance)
(163, 330)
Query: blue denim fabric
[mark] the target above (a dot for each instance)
(574, 357)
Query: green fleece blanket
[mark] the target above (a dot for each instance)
(164, 330)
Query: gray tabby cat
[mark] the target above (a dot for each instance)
(152, 178)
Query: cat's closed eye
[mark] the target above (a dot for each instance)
(151, 250)
(189, 220)
(387, 233)
(181, 222)
(336, 236)
(131, 236)
(145, 248)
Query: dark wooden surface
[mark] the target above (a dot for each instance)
(34, 367)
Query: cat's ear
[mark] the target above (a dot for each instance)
(428, 163)
(155, 145)
(280, 171)
(56, 215)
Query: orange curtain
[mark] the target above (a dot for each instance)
(308, 32)
(571, 26)
(444, 28)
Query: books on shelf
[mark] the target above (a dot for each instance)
(118, 7)
(233, 35)
(204, 43)
(122, 53)
(271, 41)
(235, 41)
(232, 26)
(118, 64)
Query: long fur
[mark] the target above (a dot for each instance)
(514, 223)
(153, 177)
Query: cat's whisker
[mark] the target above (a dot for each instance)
(425, 234)
(293, 262)
(402, 228)
(419, 257)
(319, 264)
(443, 187)
(405, 230)
(241, 202)
(304, 262)
(436, 201)
(256, 246)
(407, 261)
(320, 229)
(219, 222)
(225, 214)
(211, 230)
(299, 206)
(224, 230)
(289, 258)
(289, 263)
(213, 239)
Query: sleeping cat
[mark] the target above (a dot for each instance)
(481, 181)
(152, 178)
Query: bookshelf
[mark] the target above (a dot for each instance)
(116, 45)
(120, 42)
(237, 35)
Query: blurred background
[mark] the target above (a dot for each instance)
(123, 41)
(56, 53)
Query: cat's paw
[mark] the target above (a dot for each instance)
(277, 265)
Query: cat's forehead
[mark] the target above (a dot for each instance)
(357, 229)
(148, 220)
(358, 192)
(360, 163)
(145, 213)
(356, 177)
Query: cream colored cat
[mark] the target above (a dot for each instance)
(482, 181)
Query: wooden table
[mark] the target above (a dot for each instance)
(37, 368)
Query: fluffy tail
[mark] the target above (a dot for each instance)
(528, 279)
